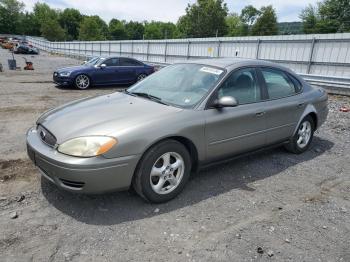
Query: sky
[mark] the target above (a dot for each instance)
(166, 10)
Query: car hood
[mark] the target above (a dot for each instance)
(103, 115)
(72, 68)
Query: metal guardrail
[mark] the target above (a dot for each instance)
(333, 85)
(310, 56)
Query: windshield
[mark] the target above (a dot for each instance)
(94, 61)
(182, 85)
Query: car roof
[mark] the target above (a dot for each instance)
(231, 63)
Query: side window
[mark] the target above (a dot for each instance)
(129, 62)
(278, 83)
(242, 85)
(111, 62)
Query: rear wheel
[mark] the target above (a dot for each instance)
(302, 139)
(162, 172)
(82, 81)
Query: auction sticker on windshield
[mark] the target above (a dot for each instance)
(211, 70)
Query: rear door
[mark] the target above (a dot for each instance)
(129, 69)
(284, 103)
(237, 129)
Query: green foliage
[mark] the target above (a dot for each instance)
(290, 28)
(134, 30)
(52, 30)
(93, 28)
(249, 14)
(160, 30)
(117, 30)
(205, 18)
(235, 26)
(28, 25)
(70, 20)
(329, 16)
(309, 18)
(266, 22)
(10, 11)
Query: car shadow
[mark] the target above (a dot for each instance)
(104, 87)
(115, 208)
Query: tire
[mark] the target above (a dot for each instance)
(82, 81)
(302, 139)
(141, 77)
(154, 179)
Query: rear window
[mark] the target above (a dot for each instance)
(278, 83)
(129, 62)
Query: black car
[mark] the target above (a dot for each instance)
(25, 49)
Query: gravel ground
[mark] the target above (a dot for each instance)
(267, 206)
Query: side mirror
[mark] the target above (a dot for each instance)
(226, 101)
(102, 66)
(84, 62)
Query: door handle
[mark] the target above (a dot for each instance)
(259, 114)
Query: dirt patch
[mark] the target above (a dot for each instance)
(16, 169)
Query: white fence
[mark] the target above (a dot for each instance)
(323, 54)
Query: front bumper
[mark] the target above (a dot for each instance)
(86, 175)
(62, 81)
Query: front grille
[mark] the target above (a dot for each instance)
(73, 184)
(46, 136)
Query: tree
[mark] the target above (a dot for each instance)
(160, 30)
(28, 25)
(52, 30)
(334, 16)
(70, 20)
(10, 11)
(205, 18)
(235, 26)
(42, 13)
(329, 16)
(117, 30)
(249, 14)
(93, 29)
(266, 23)
(134, 30)
(309, 19)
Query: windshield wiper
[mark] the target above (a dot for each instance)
(146, 95)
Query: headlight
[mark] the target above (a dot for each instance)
(65, 74)
(87, 146)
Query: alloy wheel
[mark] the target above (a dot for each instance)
(167, 173)
(82, 81)
(304, 134)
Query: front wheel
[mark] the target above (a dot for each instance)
(162, 172)
(82, 82)
(302, 139)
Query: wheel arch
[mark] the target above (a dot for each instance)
(188, 143)
(311, 111)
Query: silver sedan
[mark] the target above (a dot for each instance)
(182, 118)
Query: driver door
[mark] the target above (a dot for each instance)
(106, 75)
(233, 130)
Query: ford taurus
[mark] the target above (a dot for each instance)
(187, 115)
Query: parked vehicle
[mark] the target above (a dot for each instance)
(185, 116)
(103, 71)
(25, 49)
